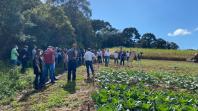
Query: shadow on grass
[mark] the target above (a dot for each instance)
(70, 87)
(32, 92)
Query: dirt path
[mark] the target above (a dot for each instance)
(61, 96)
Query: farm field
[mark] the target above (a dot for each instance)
(156, 86)
(162, 54)
(139, 86)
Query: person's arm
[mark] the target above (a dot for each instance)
(16, 52)
(93, 56)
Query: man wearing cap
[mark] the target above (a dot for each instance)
(72, 62)
(89, 57)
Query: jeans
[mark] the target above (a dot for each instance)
(47, 67)
(89, 65)
(107, 59)
(14, 62)
(72, 64)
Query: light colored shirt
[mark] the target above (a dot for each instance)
(89, 56)
(127, 54)
(99, 53)
(107, 53)
(14, 54)
(115, 55)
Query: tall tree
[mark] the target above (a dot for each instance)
(147, 40)
(131, 36)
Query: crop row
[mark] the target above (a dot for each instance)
(135, 91)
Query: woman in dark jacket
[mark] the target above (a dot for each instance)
(37, 66)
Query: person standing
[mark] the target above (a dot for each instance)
(103, 55)
(49, 60)
(24, 59)
(115, 58)
(127, 57)
(99, 56)
(65, 59)
(34, 52)
(38, 69)
(72, 62)
(14, 56)
(107, 57)
(132, 57)
(122, 57)
(89, 58)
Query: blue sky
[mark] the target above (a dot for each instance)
(172, 20)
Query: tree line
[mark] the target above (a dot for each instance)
(62, 22)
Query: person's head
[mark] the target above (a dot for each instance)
(38, 52)
(89, 49)
(74, 45)
(16, 47)
(35, 47)
(26, 47)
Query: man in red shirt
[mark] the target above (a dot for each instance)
(49, 59)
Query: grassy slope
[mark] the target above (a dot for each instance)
(162, 53)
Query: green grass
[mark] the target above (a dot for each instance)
(181, 67)
(59, 95)
(12, 82)
(181, 55)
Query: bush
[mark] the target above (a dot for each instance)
(12, 82)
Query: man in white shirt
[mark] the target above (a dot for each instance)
(89, 57)
(115, 58)
(99, 55)
(107, 57)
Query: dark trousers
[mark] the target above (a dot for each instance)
(37, 81)
(24, 66)
(122, 61)
(65, 66)
(89, 65)
(100, 59)
(72, 64)
(115, 60)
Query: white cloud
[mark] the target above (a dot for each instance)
(180, 32)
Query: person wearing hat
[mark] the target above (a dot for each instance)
(89, 57)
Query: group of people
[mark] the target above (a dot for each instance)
(45, 62)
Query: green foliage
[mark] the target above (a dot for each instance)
(12, 82)
(60, 23)
(129, 90)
